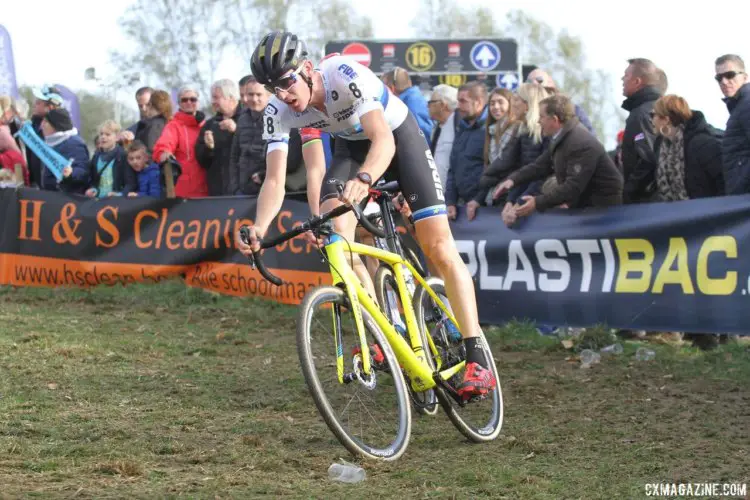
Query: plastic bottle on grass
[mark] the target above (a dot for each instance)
(643, 354)
(615, 349)
(589, 357)
(346, 473)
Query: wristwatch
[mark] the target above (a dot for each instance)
(365, 177)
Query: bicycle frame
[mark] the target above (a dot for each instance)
(409, 354)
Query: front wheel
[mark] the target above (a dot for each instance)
(479, 421)
(368, 413)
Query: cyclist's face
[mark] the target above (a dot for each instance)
(297, 96)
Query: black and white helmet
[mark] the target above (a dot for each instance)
(276, 54)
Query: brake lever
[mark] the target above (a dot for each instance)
(245, 237)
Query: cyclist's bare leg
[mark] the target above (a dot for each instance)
(346, 225)
(435, 239)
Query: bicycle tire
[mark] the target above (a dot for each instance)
(393, 447)
(425, 402)
(412, 257)
(477, 432)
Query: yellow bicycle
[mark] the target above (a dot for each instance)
(356, 364)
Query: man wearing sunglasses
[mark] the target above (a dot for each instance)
(375, 135)
(733, 82)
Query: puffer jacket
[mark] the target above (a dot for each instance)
(736, 144)
(179, 138)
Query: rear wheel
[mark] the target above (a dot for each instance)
(479, 421)
(368, 413)
(386, 290)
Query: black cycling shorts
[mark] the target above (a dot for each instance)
(412, 166)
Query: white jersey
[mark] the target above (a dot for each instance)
(352, 90)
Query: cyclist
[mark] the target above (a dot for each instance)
(375, 134)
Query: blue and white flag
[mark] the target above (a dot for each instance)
(8, 85)
(51, 158)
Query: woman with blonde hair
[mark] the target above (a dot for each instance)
(110, 173)
(527, 145)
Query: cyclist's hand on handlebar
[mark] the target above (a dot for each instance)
(354, 192)
(254, 245)
(312, 240)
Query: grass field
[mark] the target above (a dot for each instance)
(164, 391)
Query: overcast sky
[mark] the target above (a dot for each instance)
(56, 42)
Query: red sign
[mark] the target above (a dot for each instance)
(454, 50)
(359, 52)
(389, 50)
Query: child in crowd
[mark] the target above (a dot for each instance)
(109, 169)
(148, 175)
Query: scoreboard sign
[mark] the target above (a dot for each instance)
(466, 57)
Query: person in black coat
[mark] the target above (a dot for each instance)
(60, 135)
(158, 112)
(733, 81)
(642, 85)
(214, 145)
(247, 165)
(689, 162)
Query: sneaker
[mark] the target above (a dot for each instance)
(376, 354)
(478, 381)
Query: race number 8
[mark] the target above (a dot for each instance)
(269, 125)
(355, 91)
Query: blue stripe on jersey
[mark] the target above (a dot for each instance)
(427, 212)
(384, 96)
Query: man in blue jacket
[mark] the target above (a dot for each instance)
(733, 82)
(399, 82)
(467, 155)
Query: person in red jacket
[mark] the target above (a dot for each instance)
(178, 140)
(10, 155)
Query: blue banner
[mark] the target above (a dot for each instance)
(70, 102)
(8, 85)
(51, 158)
(678, 266)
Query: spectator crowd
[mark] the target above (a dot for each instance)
(526, 151)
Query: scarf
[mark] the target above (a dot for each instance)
(670, 172)
(60, 137)
(497, 144)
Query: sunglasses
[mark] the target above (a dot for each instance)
(433, 101)
(729, 75)
(188, 99)
(284, 83)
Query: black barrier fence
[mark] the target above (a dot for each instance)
(680, 266)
